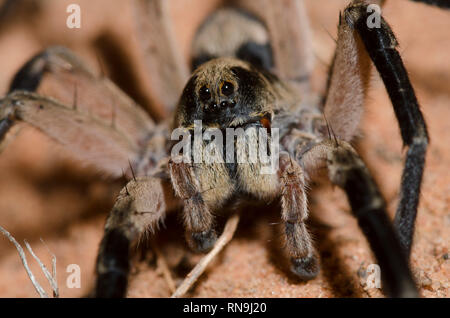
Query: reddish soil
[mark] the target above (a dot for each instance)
(43, 194)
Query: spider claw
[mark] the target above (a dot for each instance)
(306, 268)
(111, 285)
(202, 241)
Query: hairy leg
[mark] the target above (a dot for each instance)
(140, 208)
(347, 170)
(347, 88)
(381, 45)
(58, 73)
(86, 139)
(347, 83)
(294, 204)
(89, 116)
(198, 218)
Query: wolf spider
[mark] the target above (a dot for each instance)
(251, 67)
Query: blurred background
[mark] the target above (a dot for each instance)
(44, 194)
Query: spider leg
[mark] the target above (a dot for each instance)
(198, 218)
(347, 83)
(139, 208)
(380, 45)
(294, 204)
(87, 140)
(160, 51)
(88, 115)
(59, 73)
(347, 170)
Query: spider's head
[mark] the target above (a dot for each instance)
(226, 92)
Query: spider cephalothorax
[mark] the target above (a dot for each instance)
(225, 93)
(255, 78)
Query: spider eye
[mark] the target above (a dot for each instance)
(204, 93)
(227, 88)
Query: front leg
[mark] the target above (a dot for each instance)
(381, 46)
(294, 214)
(198, 219)
(357, 44)
(90, 117)
(347, 170)
(140, 207)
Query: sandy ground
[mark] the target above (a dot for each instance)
(45, 195)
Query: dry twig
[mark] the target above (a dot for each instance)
(197, 271)
(55, 289)
(51, 278)
(22, 256)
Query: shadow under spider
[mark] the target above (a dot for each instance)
(261, 224)
(333, 269)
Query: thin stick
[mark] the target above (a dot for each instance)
(162, 265)
(50, 277)
(191, 278)
(55, 289)
(22, 256)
